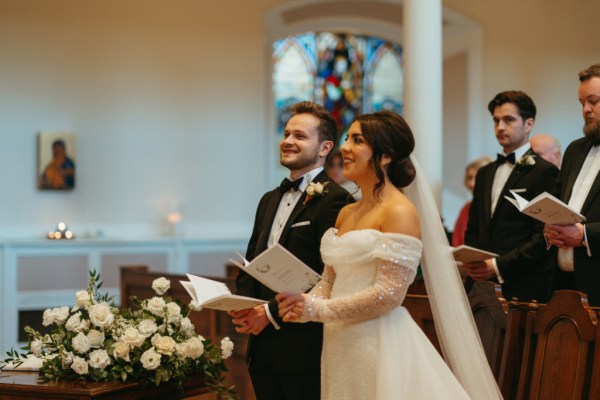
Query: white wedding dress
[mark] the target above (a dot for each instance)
(372, 348)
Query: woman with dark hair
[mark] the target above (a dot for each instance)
(372, 348)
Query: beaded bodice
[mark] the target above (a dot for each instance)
(367, 273)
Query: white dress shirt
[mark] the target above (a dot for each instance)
(286, 206)
(581, 189)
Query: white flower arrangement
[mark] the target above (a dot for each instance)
(315, 189)
(526, 160)
(97, 341)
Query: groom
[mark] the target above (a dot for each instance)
(284, 358)
(494, 223)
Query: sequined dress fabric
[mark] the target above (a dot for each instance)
(372, 349)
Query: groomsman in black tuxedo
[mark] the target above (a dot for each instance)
(498, 226)
(578, 185)
(284, 358)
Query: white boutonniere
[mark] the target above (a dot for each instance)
(315, 189)
(527, 160)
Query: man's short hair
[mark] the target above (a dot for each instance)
(328, 129)
(520, 99)
(589, 72)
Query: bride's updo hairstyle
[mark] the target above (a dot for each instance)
(388, 134)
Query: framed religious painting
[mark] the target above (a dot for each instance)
(57, 155)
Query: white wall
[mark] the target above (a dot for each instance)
(170, 100)
(166, 98)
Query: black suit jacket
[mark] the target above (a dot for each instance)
(296, 347)
(587, 269)
(516, 237)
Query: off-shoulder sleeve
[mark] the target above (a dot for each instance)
(322, 290)
(396, 268)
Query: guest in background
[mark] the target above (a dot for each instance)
(284, 358)
(460, 226)
(577, 185)
(547, 147)
(495, 224)
(60, 171)
(334, 166)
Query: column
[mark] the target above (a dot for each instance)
(422, 33)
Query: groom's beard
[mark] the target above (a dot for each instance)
(301, 160)
(592, 132)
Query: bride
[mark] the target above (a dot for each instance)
(372, 349)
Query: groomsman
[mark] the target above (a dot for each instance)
(578, 185)
(498, 226)
(284, 358)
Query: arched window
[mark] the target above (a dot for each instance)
(348, 74)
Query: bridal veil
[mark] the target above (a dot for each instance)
(454, 323)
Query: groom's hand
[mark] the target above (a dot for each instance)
(251, 321)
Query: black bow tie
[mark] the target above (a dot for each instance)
(287, 184)
(509, 158)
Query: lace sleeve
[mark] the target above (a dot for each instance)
(322, 290)
(388, 291)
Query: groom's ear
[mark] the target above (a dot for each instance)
(326, 148)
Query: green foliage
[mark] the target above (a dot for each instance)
(97, 341)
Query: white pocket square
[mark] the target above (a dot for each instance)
(519, 190)
(300, 224)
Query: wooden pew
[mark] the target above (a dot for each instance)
(490, 312)
(559, 348)
(136, 280)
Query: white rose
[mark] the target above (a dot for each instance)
(82, 300)
(161, 285)
(36, 347)
(100, 315)
(147, 327)
(55, 315)
(81, 343)
(99, 359)
(192, 348)
(121, 350)
(310, 190)
(132, 337)
(79, 365)
(150, 359)
(226, 347)
(75, 324)
(187, 327)
(96, 338)
(173, 312)
(67, 359)
(164, 344)
(156, 306)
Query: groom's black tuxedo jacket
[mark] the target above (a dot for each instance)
(587, 269)
(516, 237)
(296, 347)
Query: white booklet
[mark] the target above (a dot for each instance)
(546, 208)
(467, 254)
(280, 270)
(216, 295)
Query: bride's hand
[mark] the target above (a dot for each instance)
(291, 306)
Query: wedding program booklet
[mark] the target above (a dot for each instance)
(467, 254)
(280, 270)
(546, 208)
(216, 295)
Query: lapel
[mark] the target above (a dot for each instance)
(488, 182)
(595, 189)
(267, 218)
(578, 160)
(301, 207)
(517, 173)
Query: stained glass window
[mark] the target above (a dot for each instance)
(348, 74)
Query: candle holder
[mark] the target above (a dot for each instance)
(61, 232)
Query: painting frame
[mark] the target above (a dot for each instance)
(56, 161)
